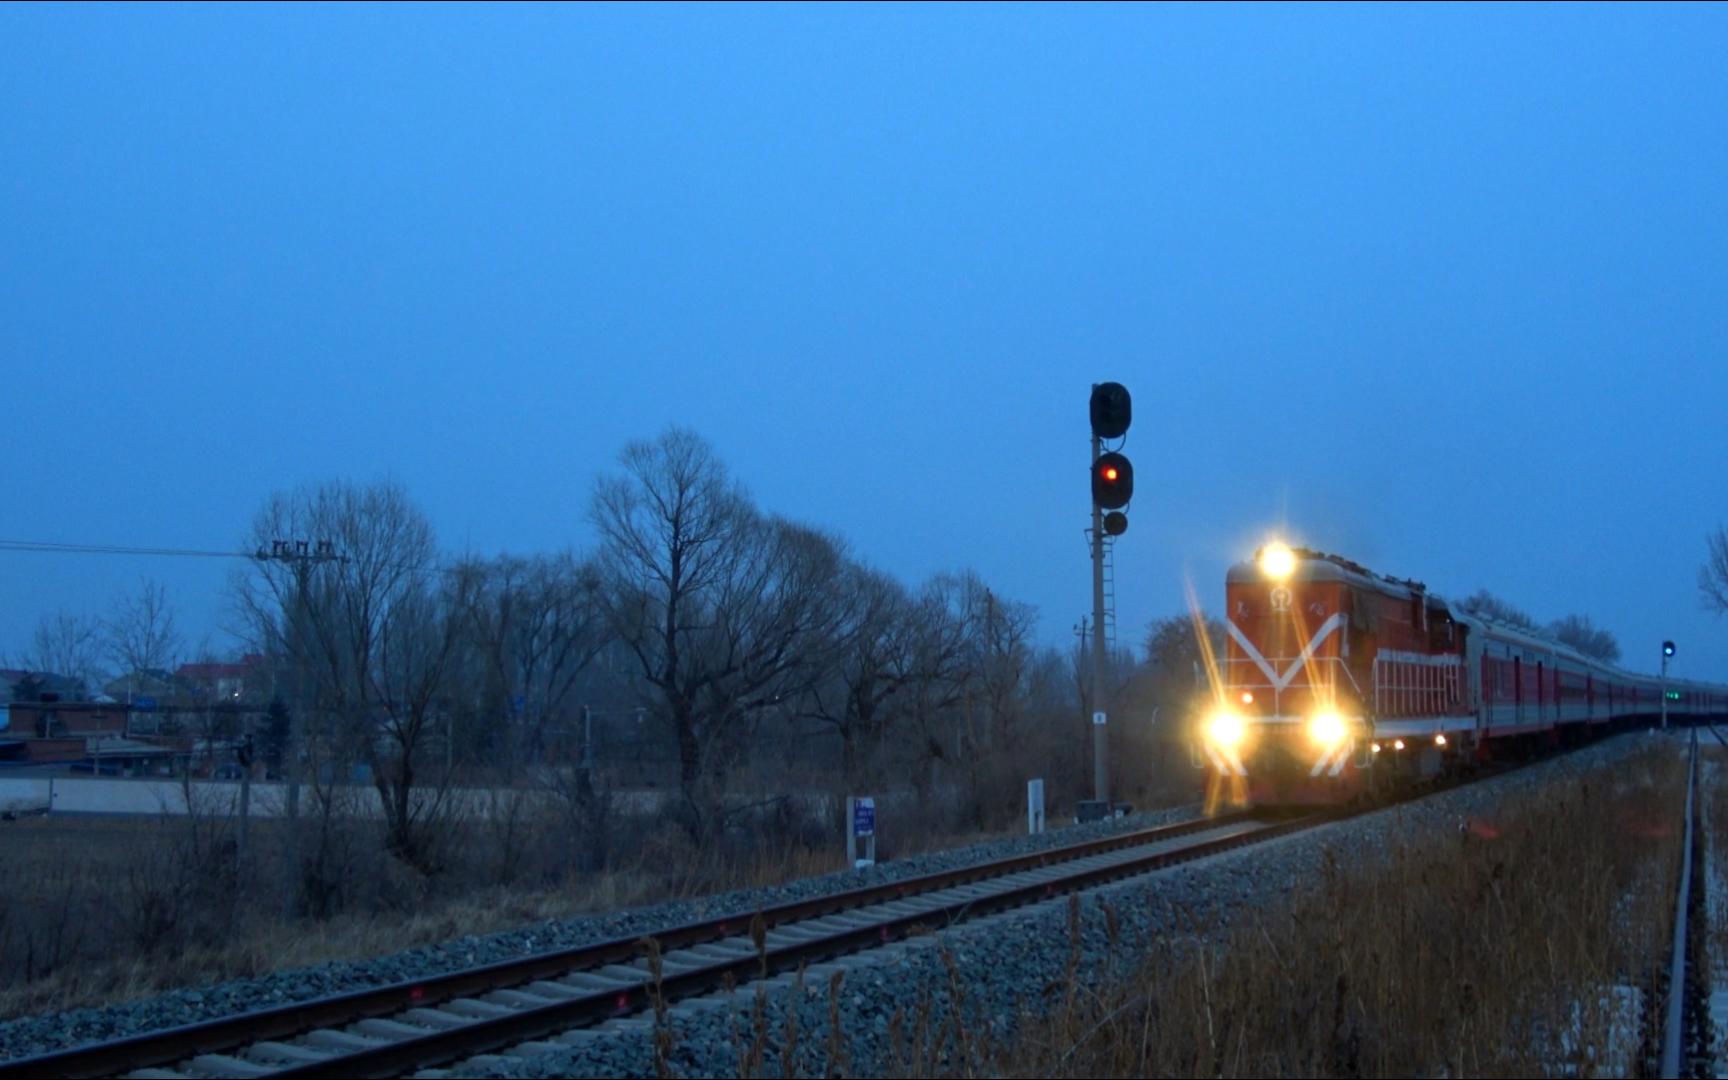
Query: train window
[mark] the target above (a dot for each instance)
(1440, 633)
(1364, 613)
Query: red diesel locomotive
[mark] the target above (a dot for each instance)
(1336, 680)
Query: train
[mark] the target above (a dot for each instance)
(1337, 684)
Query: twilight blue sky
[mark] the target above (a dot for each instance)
(1445, 289)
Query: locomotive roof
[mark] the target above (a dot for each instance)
(1319, 566)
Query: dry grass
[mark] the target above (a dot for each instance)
(1715, 827)
(1496, 951)
(104, 910)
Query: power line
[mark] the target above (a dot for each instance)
(53, 547)
(275, 554)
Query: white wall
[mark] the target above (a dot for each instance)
(23, 793)
(91, 795)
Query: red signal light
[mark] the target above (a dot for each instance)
(1112, 481)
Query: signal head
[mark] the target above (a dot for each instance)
(1667, 648)
(1112, 410)
(1112, 481)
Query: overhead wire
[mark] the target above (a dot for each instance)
(54, 547)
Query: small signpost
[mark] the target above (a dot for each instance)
(144, 704)
(861, 831)
(1034, 807)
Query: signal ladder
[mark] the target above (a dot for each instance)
(1110, 594)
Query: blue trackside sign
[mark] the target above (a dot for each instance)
(864, 817)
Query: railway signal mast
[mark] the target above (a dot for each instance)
(1667, 652)
(1112, 488)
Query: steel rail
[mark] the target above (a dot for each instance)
(170, 1045)
(1673, 1028)
(482, 1036)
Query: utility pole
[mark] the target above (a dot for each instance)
(1083, 664)
(987, 737)
(245, 758)
(301, 557)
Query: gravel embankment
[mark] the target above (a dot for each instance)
(1002, 963)
(31, 1035)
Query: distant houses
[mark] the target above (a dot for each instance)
(210, 681)
(146, 684)
(141, 723)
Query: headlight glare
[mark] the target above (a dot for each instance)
(1226, 729)
(1328, 729)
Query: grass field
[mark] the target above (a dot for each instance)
(106, 909)
(102, 909)
(1526, 943)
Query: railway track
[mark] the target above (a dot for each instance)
(400, 1029)
(1684, 1046)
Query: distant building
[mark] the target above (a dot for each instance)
(84, 734)
(154, 684)
(17, 684)
(50, 719)
(218, 681)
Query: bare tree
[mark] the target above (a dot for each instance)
(67, 645)
(1574, 630)
(722, 609)
(372, 629)
(1173, 644)
(1000, 659)
(416, 645)
(936, 695)
(974, 681)
(141, 635)
(876, 658)
(1486, 605)
(536, 626)
(1713, 575)
(1578, 632)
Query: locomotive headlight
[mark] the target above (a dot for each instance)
(1328, 729)
(1226, 729)
(1277, 561)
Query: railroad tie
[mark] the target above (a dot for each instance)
(225, 1065)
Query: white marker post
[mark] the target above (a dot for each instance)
(1034, 807)
(861, 826)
